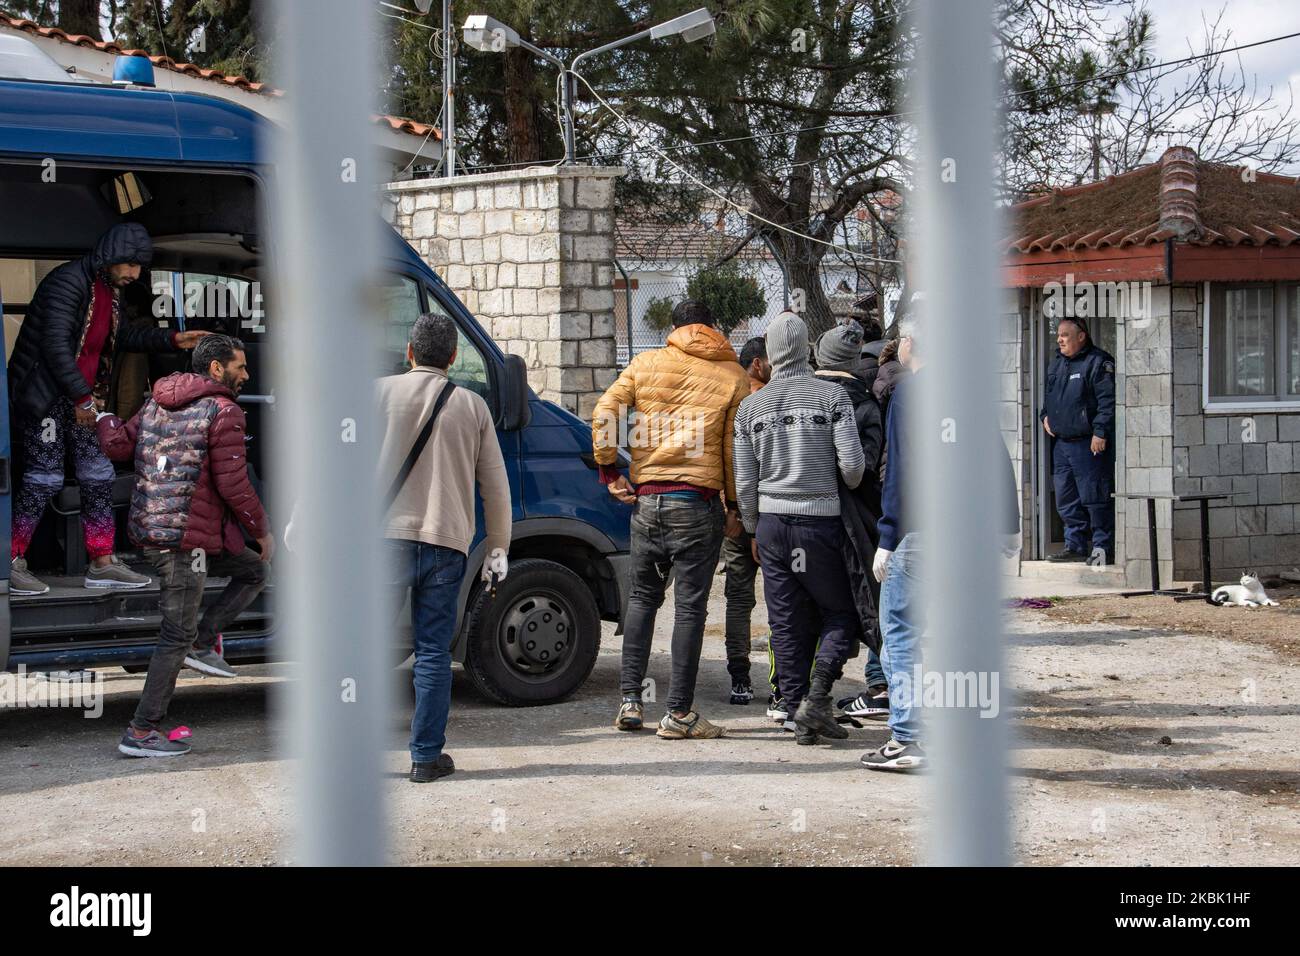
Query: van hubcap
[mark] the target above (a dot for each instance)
(536, 633)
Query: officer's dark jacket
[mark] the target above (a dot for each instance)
(1081, 394)
(44, 361)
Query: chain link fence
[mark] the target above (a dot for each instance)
(636, 292)
(635, 295)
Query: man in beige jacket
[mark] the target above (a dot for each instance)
(430, 525)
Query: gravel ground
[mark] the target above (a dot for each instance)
(1092, 782)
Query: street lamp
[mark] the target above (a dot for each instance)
(488, 35)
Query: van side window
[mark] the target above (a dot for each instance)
(401, 297)
(469, 370)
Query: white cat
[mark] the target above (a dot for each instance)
(1249, 593)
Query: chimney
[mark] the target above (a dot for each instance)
(1178, 211)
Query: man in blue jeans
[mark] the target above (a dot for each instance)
(896, 567)
(430, 526)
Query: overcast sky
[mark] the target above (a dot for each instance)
(1177, 21)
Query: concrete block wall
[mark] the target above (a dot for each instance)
(1145, 436)
(1254, 457)
(1015, 404)
(530, 253)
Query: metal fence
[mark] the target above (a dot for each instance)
(633, 297)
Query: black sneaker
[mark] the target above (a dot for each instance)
(1100, 558)
(1066, 556)
(742, 692)
(444, 766)
(776, 708)
(870, 704)
(895, 756)
(815, 717)
(152, 744)
(803, 738)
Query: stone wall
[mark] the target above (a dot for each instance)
(530, 253)
(1252, 456)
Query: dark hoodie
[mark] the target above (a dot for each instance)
(191, 473)
(44, 362)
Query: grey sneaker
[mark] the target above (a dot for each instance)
(153, 744)
(209, 662)
(115, 574)
(22, 581)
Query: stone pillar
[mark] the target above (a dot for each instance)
(530, 253)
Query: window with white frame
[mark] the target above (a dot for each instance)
(1253, 343)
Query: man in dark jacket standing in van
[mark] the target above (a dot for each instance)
(59, 377)
(192, 504)
(1079, 414)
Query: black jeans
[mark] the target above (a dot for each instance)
(739, 589)
(684, 536)
(810, 606)
(181, 576)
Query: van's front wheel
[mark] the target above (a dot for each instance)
(537, 640)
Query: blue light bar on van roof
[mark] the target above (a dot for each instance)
(132, 71)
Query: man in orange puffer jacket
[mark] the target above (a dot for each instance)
(674, 409)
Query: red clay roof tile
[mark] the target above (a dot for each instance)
(1179, 197)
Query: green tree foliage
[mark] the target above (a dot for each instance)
(218, 35)
(732, 296)
(659, 314)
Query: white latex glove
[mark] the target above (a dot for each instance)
(880, 566)
(495, 564)
(288, 530)
(1010, 545)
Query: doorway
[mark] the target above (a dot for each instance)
(1049, 531)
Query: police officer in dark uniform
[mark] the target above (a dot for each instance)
(1080, 415)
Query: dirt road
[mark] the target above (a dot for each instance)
(1092, 781)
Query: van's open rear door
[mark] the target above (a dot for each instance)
(6, 501)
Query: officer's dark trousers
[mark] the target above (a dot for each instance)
(809, 599)
(1083, 486)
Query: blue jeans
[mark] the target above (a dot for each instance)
(875, 671)
(433, 573)
(900, 627)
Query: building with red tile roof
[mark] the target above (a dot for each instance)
(1188, 273)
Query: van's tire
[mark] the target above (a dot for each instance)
(537, 640)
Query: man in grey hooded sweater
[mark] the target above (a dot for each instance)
(794, 440)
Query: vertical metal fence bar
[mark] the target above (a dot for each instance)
(956, 428)
(325, 242)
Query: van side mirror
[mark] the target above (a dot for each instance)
(514, 394)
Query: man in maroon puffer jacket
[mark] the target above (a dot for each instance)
(191, 506)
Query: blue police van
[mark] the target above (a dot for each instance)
(77, 158)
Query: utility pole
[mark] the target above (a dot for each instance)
(448, 94)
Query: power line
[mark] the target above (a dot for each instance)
(730, 202)
(840, 125)
(1120, 74)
